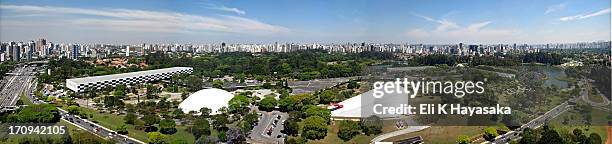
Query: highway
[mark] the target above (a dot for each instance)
(18, 81)
(97, 129)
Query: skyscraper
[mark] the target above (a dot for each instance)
(16, 56)
(41, 47)
(30, 49)
(75, 52)
(127, 51)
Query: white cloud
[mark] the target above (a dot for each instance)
(556, 7)
(444, 23)
(584, 16)
(449, 31)
(227, 9)
(151, 21)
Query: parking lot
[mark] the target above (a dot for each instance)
(268, 128)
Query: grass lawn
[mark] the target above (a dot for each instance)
(25, 100)
(594, 96)
(113, 121)
(571, 120)
(441, 134)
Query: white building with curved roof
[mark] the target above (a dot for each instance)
(213, 99)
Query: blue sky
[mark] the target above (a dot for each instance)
(324, 21)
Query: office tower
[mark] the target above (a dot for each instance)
(75, 52)
(30, 49)
(41, 47)
(16, 52)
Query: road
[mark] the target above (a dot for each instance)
(535, 123)
(259, 132)
(97, 129)
(20, 80)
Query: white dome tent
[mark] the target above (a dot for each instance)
(213, 99)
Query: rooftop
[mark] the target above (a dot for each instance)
(125, 75)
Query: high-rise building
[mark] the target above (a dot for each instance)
(75, 52)
(16, 56)
(41, 46)
(127, 51)
(30, 49)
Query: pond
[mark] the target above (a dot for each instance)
(554, 74)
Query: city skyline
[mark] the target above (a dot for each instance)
(306, 22)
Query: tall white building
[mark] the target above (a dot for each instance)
(127, 51)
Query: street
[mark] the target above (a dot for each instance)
(97, 129)
(18, 81)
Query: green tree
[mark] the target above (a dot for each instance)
(372, 125)
(549, 135)
(248, 120)
(150, 120)
(42, 113)
(238, 104)
(287, 103)
(267, 85)
(220, 121)
(594, 138)
(312, 110)
(156, 138)
(352, 85)
(315, 127)
(348, 129)
(291, 126)
(167, 126)
(130, 118)
(327, 96)
(200, 127)
(529, 136)
(73, 109)
(490, 133)
(464, 139)
(205, 112)
(217, 84)
(194, 83)
(268, 103)
(122, 129)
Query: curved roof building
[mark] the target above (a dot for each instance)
(211, 98)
